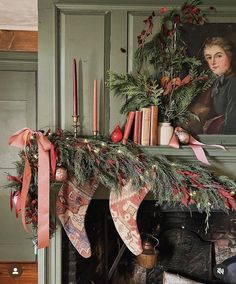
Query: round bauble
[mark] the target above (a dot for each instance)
(116, 134)
(61, 174)
(182, 135)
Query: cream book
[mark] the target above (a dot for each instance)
(146, 120)
(137, 125)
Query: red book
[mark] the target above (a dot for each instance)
(153, 126)
(128, 126)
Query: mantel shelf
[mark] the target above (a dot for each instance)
(186, 152)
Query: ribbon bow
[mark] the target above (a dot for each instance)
(181, 136)
(21, 139)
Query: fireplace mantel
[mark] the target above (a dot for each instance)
(223, 162)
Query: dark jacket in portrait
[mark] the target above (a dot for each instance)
(216, 108)
(224, 102)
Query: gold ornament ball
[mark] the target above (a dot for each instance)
(61, 174)
(183, 137)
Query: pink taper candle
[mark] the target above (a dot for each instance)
(95, 108)
(75, 97)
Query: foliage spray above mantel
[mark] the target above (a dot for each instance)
(165, 75)
(77, 165)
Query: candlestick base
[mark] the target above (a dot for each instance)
(75, 124)
(95, 133)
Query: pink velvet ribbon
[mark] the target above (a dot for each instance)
(21, 139)
(196, 146)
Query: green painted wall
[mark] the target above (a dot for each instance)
(18, 89)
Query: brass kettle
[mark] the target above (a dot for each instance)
(148, 257)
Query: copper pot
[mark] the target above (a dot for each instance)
(148, 257)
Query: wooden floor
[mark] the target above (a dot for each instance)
(18, 273)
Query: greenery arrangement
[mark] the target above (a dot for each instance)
(165, 74)
(114, 164)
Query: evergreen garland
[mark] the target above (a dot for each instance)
(115, 164)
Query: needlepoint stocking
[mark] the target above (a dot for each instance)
(124, 206)
(72, 204)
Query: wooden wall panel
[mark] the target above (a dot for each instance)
(18, 91)
(83, 37)
(19, 41)
(17, 109)
(135, 27)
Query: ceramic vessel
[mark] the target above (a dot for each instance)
(165, 132)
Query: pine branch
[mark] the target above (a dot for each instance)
(138, 91)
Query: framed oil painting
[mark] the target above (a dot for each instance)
(215, 45)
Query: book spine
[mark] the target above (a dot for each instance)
(154, 125)
(128, 126)
(139, 126)
(136, 126)
(145, 137)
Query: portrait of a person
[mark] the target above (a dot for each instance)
(220, 54)
(216, 108)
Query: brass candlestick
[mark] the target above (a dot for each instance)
(75, 124)
(95, 133)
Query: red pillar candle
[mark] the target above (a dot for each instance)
(75, 97)
(95, 109)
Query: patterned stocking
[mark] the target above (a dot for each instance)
(124, 206)
(72, 204)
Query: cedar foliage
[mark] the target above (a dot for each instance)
(166, 57)
(115, 164)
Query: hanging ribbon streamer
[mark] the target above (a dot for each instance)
(53, 157)
(21, 139)
(182, 136)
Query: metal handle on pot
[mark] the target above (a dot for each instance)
(156, 239)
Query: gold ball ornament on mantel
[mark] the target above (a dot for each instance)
(182, 135)
(61, 174)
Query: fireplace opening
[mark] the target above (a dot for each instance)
(184, 247)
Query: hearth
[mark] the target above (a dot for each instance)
(185, 248)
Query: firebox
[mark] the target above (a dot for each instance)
(187, 246)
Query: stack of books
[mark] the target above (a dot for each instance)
(144, 124)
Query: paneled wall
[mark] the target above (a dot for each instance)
(18, 90)
(77, 40)
(100, 35)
